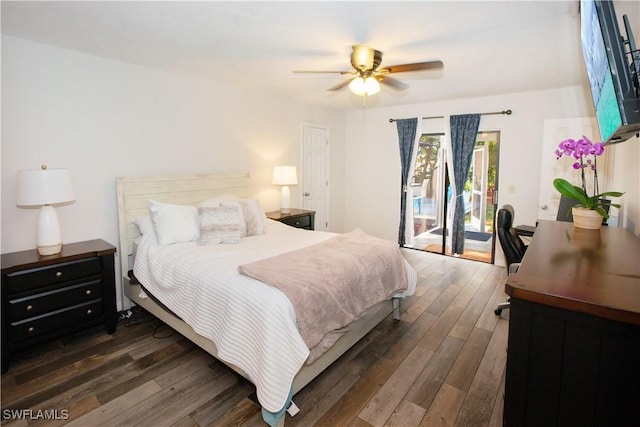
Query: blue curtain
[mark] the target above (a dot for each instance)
(464, 131)
(406, 137)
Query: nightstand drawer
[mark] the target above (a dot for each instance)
(27, 280)
(39, 325)
(300, 222)
(34, 305)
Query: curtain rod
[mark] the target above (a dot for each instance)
(507, 112)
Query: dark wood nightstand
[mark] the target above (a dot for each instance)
(299, 218)
(46, 297)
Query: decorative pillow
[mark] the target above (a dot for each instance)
(220, 224)
(174, 223)
(253, 216)
(236, 205)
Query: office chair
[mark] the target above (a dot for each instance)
(564, 209)
(511, 243)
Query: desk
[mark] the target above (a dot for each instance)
(574, 331)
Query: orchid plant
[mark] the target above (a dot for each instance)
(585, 154)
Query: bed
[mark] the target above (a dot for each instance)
(274, 354)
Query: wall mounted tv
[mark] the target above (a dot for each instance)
(613, 65)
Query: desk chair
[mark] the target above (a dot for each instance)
(511, 243)
(564, 209)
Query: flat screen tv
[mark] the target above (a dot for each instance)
(612, 68)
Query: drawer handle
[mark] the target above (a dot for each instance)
(297, 222)
(88, 312)
(58, 273)
(31, 329)
(87, 292)
(29, 307)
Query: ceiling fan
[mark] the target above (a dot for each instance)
(367, 75)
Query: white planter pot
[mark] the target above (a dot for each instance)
(586, 218)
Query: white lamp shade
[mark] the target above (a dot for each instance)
(371, 86)
(361, 86)
(357, 86)
(285, 175)
(37, 187)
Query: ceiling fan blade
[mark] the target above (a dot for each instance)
(418, 66)
(339, 85)
(320, 72)
(365, 62)
(396, 84)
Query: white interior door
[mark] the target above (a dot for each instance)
(556, 131)
(315, 175)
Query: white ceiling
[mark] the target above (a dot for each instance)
(488, 47)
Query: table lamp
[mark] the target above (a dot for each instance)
(45, 187)
(285, 176)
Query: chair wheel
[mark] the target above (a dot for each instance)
(498, 311)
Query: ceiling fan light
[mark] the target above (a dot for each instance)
(358, 86)
(371, 86)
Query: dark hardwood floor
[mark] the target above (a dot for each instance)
(443, 364)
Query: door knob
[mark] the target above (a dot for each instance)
(544, 207)
(307, 194)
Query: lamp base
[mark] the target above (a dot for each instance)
(48, 237)
(50, 249)
(285, 200)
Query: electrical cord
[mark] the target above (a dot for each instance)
(137, 316)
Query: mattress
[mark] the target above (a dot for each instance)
(253, 325)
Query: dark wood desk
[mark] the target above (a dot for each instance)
(574, 330)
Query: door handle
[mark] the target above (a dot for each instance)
(307, 194)
(544, 207)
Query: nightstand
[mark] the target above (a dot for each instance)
(46, 297)
(299, 218)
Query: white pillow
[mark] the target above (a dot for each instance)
(144, 224)
(220, 224)
(174, 223)
(253, 216)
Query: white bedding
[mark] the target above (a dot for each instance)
(253, 325)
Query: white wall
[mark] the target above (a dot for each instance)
(102, 119)
(373, 174)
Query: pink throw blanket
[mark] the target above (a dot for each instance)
(332, 283)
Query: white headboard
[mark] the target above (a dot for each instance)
(134, 193)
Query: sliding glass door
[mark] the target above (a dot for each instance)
(432, 193)
(426, 186)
